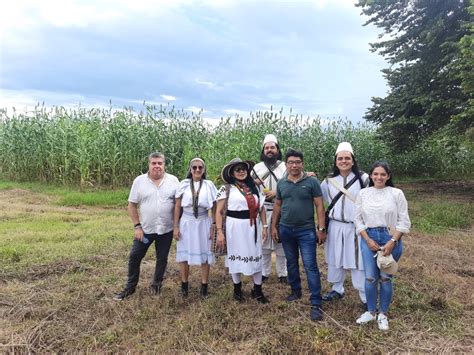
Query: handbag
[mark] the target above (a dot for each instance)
(214, 248)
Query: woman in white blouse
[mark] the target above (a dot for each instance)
(381, 219)
(192, 228)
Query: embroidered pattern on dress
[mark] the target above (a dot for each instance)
(245, 259)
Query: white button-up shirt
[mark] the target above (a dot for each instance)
(155, 203)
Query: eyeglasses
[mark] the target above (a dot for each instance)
(197, 167)
(239, 169)
(294, 162)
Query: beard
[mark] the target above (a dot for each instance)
(269, 160)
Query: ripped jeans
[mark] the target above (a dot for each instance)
(373, 276)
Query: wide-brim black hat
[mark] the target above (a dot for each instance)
(226, 174)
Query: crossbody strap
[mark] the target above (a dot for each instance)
(338, 196)
(341, 189)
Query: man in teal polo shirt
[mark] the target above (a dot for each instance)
(293, 222)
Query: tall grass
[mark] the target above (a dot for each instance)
(103, 147)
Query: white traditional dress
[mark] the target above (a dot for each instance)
(244, 253)
(194, 244)
(269, 244)
(342, 247)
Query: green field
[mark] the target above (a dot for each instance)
(64, 254)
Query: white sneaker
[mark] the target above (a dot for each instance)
(382, 320)
(365, 318)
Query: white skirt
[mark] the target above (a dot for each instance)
(342, 247)
(244, 255)
(194, 245)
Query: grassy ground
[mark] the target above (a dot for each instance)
(63, 255)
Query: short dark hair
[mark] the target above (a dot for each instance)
(293, 153)
(156, 155)
(381, 164)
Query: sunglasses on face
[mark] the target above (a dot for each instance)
(239, 169)
(197, 167)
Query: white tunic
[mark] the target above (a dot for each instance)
(244, 255)
(155, 203)
(270, 183)
(342, 248)
(194, 244)
(385, 207)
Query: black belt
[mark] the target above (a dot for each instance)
(239, 214)
(243, 215)
(338, 220)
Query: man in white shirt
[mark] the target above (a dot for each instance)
(266, 174)
(150, 207)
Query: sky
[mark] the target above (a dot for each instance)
(220, 57)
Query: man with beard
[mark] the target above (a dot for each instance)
(150, 207)
(267, 173)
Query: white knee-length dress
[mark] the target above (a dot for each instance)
(194, 244)
(244, 253)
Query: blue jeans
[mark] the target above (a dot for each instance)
(373, 275)
(304, 241)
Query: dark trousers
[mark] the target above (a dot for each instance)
(139, 249)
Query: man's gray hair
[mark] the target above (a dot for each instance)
(156, 155)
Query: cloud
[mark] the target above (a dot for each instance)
(195, 110)
(228, 57)
(168, 97)
(206, 83)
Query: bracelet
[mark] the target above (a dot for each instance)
(394, 240)
(136, 226)
(265, 226)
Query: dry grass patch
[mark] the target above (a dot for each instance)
(62, 301)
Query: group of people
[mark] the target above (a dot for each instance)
(271, 207)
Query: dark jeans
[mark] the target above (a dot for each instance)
(139, 249)
(304, 241)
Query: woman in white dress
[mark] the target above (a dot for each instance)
(192, 228)
(381, 219)
(342, 247)
(244, 230)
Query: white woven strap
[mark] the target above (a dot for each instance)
(342, 189)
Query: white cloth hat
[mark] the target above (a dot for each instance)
(387, 264)
(344, 147)
(269, 138)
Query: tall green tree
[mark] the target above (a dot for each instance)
(428, 44)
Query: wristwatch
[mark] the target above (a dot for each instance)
(321, 229)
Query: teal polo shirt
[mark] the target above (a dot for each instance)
(297, 206)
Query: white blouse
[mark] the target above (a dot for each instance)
(385, 207)
(207, 195)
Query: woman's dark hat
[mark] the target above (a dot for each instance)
(226, 174)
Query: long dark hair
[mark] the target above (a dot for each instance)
(248, 181)
(204, 173)
(355, 170)
(381, 164)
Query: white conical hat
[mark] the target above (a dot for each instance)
(270, 138)
(344, 147)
